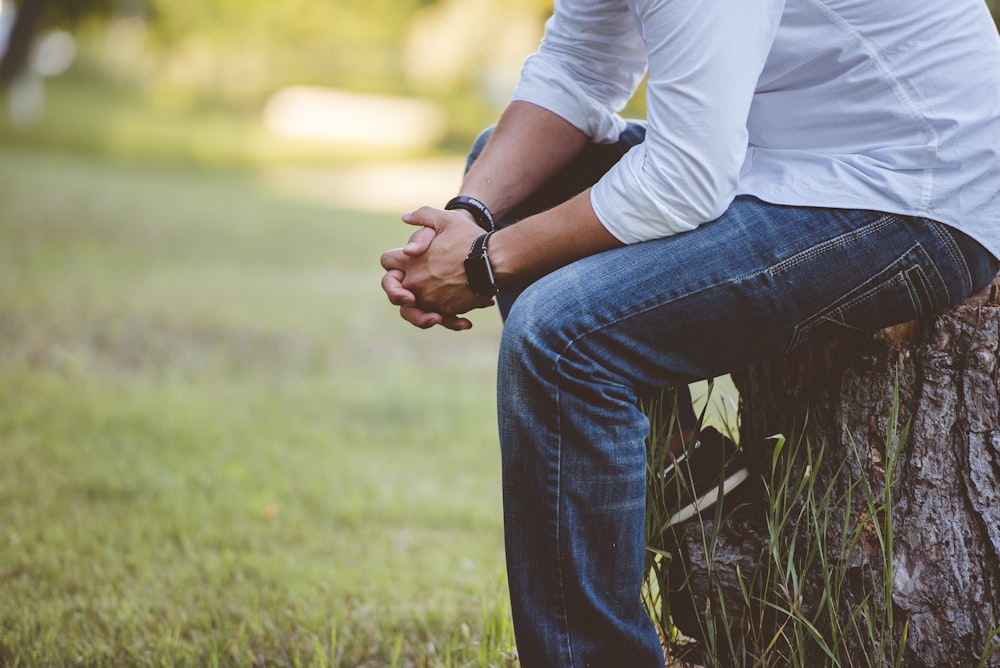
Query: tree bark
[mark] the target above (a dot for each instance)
(923, 559)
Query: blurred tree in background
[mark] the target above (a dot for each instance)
(33, 15)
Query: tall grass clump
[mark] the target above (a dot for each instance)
(663, 426)
(804, 600)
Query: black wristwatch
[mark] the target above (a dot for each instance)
(478, 270)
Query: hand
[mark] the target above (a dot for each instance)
(427, 281)
(392, 284)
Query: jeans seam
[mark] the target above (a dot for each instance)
(920, 289)
(836, 242)
(568, 644)
(957, 257)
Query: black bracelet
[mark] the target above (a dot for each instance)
(479, 211)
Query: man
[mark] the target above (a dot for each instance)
(809, 169)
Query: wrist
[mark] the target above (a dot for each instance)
(500, 259)
(479, 269)
(479, 211)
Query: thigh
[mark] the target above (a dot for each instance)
(761, 280)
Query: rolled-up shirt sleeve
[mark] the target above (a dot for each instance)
(591, 60)
(704, 60)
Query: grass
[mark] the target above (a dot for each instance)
(220, 445)
(775, 624)
(797, 606)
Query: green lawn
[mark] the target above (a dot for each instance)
(220, 445)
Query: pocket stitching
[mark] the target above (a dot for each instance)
(836, 242)
(918, 306)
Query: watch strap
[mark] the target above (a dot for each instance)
(479, 244)
(478, 271)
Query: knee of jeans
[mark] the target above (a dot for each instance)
(547, 334)
(520, 342)
(478, 146)
(534, 333)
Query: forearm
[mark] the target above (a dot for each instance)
(528, 146)
(549, 240)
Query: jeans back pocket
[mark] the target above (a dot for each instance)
(907, 289)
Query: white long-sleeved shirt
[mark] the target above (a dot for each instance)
(873, 104)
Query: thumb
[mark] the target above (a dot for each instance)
(425, 216)
(420, 241)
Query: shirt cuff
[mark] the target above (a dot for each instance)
(546, 85)
(627, 209)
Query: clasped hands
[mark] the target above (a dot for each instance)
(426, 278)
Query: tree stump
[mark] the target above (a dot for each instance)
(905, 511)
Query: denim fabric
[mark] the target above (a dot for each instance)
(582, 173)
(583, 344)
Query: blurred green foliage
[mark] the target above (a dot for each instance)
(362, 44)
(229, 56)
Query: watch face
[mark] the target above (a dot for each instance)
(479, 274)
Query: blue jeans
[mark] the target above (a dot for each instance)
(583, 344)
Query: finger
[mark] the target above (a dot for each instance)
(419, 317)
(427, 319)
(392, 285)
(456, 324)
(392, 259)
(420, 241)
